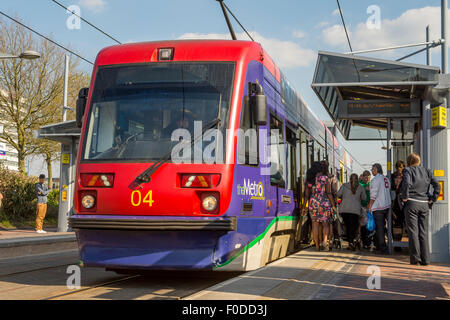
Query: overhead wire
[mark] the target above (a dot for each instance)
(228, 9)
(46, 38)
(89, 23)
(343, 23)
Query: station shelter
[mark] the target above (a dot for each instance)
(400, 103)
(68, 134)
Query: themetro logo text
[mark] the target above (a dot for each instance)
(253, 189)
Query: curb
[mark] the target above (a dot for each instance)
(12, 248)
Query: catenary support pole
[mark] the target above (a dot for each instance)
(388, 174)
(66, 85)
(428, 47)
(444, 27)
(66, 163)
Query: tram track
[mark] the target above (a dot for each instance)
(149, 285)
(41, 279)
(33, 270)
(90, 288)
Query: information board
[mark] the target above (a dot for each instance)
(364, 109)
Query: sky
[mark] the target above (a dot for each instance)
(291, 31)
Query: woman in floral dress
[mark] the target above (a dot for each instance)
(321, 204)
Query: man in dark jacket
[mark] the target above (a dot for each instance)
(41, 194)
(416, 197)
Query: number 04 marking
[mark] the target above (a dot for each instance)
(136, 198)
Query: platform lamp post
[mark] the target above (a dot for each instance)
(26, 55)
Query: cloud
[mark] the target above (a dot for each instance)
(287, 54)
(335, 12)
(93, 5)
(335, 35)
(408, 28)
(298, 34)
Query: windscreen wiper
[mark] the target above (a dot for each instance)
(145, 176)
(121, 148)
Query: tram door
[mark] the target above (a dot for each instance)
(278, 170)
(401, 150)
(303, 232)
(292, 166)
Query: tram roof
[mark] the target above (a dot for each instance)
(343, 77)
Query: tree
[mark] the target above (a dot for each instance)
(30, 91)
(50, 150)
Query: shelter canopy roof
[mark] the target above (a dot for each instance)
(342, 77)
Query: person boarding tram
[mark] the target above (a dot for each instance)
(379, 204)
(351, 193)
(417, 199)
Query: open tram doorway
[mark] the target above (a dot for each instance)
(372, 99)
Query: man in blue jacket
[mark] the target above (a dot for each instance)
(41, 194)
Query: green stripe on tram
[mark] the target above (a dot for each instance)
(257, 239)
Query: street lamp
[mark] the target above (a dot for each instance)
(28, 54)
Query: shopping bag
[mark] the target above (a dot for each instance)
(370, 226)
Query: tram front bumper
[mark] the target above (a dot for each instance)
(162, 243)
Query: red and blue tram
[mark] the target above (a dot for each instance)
(136, 208)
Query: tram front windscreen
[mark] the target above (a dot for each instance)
(136, 108)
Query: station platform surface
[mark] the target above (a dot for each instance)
(22, 242)
(335, 275)
(6, 234)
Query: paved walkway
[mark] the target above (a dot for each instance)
(27, 233)
(336, 275)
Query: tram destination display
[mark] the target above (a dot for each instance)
(361, 109)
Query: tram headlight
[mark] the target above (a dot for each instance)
(210, 203)
(88, 201)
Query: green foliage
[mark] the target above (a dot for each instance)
(53, 198)
(19, 200)
(52, 208)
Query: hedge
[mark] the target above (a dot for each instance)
(19, 198)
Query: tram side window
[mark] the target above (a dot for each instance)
(291, 160)
(304, 164)
(311, 152)
(248, 138)
(322, 153)
(277, 153)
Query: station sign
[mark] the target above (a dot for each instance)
(65, 158)
(441, 195)
(64, 195)
(439, 117)
(439, 173)
(369, 109)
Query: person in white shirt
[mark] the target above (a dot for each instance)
(379, 204)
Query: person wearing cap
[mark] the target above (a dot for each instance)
(41, 193)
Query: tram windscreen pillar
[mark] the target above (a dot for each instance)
(66, 184)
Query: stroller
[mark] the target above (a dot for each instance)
(337, 230)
